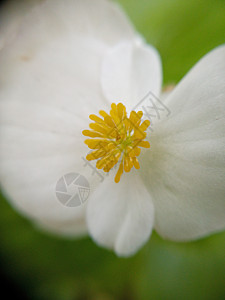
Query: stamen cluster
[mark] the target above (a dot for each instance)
(114, 137)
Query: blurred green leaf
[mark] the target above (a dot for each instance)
(182, 31)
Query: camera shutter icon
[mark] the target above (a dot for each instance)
(72, 189)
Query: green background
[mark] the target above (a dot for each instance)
(48, 267)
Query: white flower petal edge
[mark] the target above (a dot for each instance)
(49, 77)
(11, 16)
(185, 169)
(121, 216)
(130, 71)
(69, 228)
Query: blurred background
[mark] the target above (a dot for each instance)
(36, 265)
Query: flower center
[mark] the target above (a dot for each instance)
(116, 138)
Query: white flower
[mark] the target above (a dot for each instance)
(69, 59)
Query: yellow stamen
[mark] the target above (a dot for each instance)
(114, 137)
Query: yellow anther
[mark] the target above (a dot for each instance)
(116, 137)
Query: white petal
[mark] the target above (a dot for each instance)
(120, 216)
(99, 19)
(49, 81)
(185, 171)
(130, 71)
(11, 17)
(76, 227)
